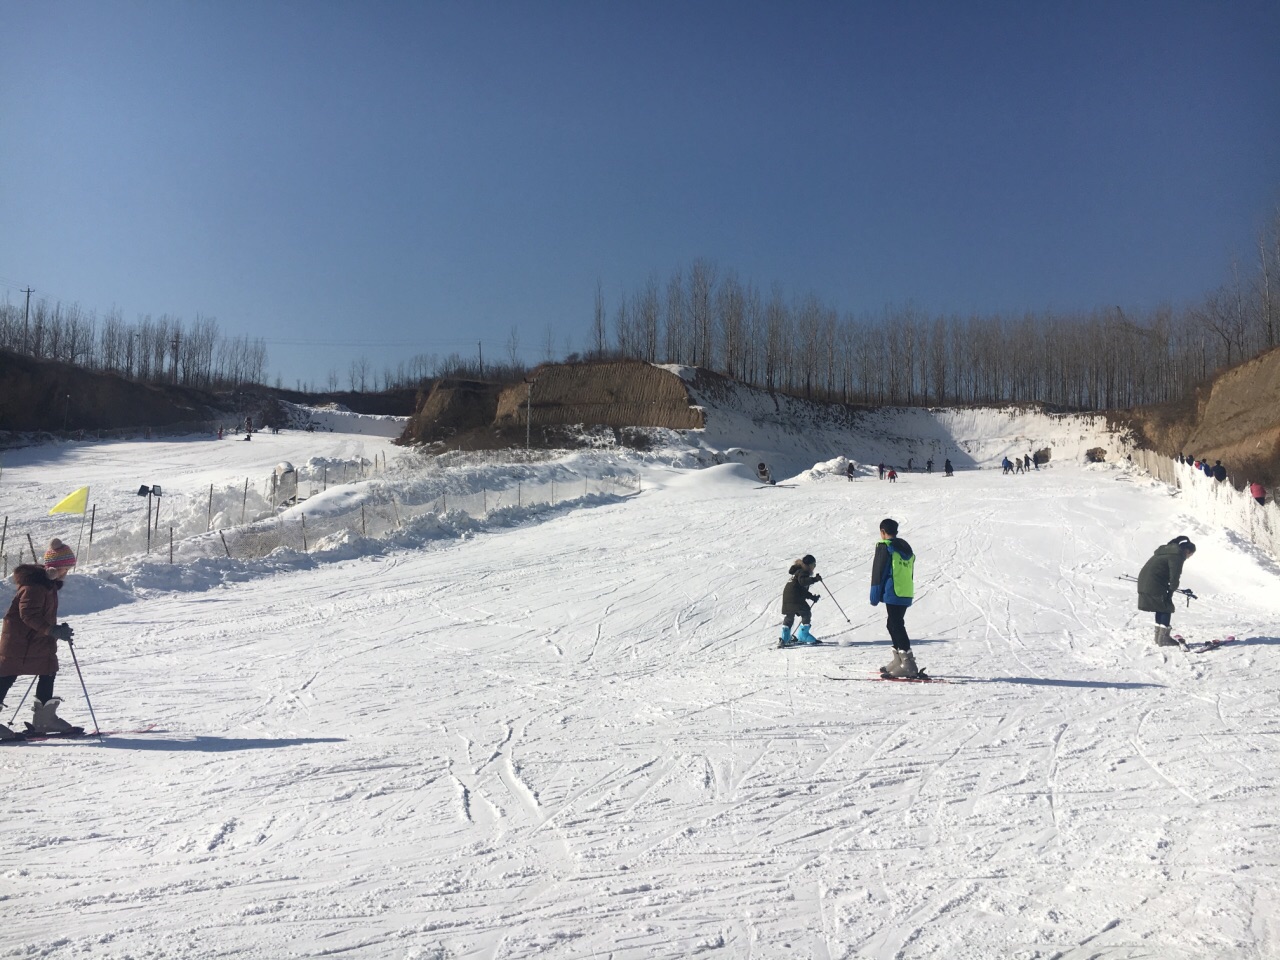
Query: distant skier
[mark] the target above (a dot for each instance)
(1026, 462)
(762, 471)
(848, 471)
(881, 469)
(893, 475)
(30, 634)
(794, 597)
(893, 584)
(1258, 492)
(928, 466)
(1158, 581)
(910, 461)
(1006, 465)
(1017, 465)
(1219, 471)
(946, 468)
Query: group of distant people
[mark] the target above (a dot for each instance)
(1019, 464)
(1218, 472)
(889, 472)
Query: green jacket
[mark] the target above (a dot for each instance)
(1159, 578)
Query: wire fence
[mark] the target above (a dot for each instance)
(326, 502)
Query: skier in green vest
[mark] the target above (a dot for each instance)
(893, 584)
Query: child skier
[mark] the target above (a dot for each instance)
(30, 635)
(893, 583)
(794, 595)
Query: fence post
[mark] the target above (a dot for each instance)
(304, 533)
(93, 518)
(4, 533)
(243, 500)
(209, 523)
(32, 544)
(171, 546)
(519, 493)
(325, 476)
(396, 508)
(362, 529)
(224, 544)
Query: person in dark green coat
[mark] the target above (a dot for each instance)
(1158, 580)
(794, 601)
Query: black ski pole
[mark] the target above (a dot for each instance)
(74, 659)
(24, 699)
(837, 603)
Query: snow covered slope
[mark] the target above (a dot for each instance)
(791, 434)
(573, 737)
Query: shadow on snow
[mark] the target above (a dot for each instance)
(211, 744)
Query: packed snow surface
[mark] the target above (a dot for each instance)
(568, 732)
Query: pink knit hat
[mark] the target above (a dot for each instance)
(59, 555)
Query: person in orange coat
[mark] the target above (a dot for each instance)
(30, 634)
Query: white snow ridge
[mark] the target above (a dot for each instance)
(565, 730)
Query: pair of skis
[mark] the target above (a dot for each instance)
(1203, 646)
(921, 678)
(79, 733)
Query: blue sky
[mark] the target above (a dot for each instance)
(396, 178)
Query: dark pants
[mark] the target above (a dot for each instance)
(897, 626)
(44, 687)
(790, 618)
(1164, 619)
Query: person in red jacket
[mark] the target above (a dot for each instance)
(1258, 492)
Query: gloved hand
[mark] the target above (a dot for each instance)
(817, 578)
(815, 598)
(62, 631)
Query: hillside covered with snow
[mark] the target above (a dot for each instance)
(517, 725)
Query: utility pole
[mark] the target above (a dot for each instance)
(26, 317)
(528, 415)
(176, 338)
(480, 346)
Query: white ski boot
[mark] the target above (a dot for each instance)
(905, 668)
(45, 718)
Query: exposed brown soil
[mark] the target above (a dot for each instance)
(614, 394)
(452, 411)
(464, 414)
(43, 395)
(1235, 418)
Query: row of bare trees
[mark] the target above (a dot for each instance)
(154, 350)
(1102, 359)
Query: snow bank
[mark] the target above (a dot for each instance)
(1216, 503)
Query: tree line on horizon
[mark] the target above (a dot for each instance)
(153, 350)
(1095, 360)
(803, 346)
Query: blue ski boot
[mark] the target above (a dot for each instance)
(785, 640)
(804, 636)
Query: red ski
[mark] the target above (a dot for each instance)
(77, 734)
(920, 679)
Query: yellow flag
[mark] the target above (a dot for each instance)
(75, 503)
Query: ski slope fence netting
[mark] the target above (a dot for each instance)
(324, 499)
(1220, 503)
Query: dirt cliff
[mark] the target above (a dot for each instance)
(556, 398)
(1234, 418)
